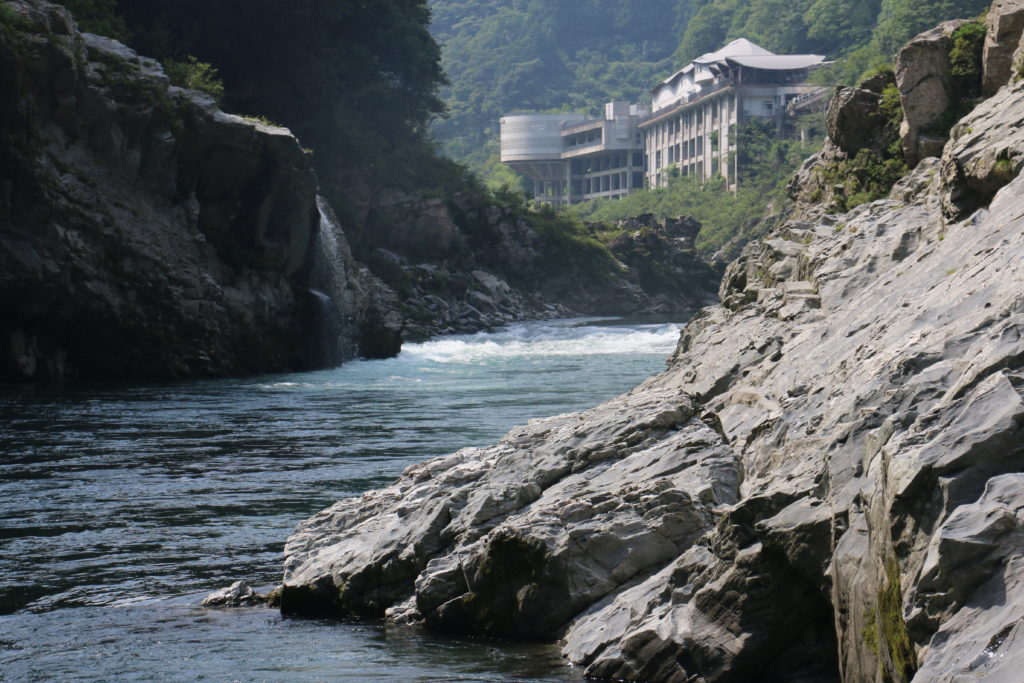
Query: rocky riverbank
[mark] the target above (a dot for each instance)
(825, 484)
(471, 263)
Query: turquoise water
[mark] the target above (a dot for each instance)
(123, 506)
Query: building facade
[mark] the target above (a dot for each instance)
(572, 157)
(689, 129)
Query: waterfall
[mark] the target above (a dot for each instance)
(330, 341)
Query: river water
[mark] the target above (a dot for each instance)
(123, 506)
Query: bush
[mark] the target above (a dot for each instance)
(195, 75)
(864, 178)
(965, 55)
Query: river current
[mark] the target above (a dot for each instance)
(122, 506)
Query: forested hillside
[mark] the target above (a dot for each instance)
(540, 55)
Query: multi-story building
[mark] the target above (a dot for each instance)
(571, 157)
(696, 111)
(690, 128)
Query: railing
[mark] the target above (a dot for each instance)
(807, 98)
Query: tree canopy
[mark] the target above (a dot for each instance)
(357, 81)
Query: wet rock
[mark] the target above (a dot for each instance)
(144, 233)
(238, 594)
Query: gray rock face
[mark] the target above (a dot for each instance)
(854, 121)
(825, 484)
(925, 80)
(1004, 25)
(986, 151)
(143, 232)
(811, 191)
(495, 268)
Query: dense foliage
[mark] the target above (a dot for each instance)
(536, 55)
(765, 166)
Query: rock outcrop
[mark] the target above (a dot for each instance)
(985, 152)
(145, 233)
(1004, 25)
(827, 483)
(927, 89)
(854, 121)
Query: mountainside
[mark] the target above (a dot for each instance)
(825, 484)
(535, 55)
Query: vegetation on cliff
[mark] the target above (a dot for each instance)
(765, 165)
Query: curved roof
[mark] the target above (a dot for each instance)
(742, 52)
(778, 62)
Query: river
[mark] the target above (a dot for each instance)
(124, 505)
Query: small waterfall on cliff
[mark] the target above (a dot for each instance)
(331, 340)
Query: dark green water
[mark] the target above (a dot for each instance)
(122, 507)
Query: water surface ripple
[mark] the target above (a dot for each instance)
(124, 505)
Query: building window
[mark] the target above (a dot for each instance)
(768, 106)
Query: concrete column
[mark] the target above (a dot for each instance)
(568, 183)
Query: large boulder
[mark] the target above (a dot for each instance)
(855, 122)
(925, 81)
(1004, 25)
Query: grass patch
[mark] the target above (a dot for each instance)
(892, 628)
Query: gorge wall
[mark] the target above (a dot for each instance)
(144, 233)
(147, 234)
(825, 484)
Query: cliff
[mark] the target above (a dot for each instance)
(475, 261)
(146, 234)
(825, 484)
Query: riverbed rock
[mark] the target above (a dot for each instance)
(144, 233)
(503, 270)
(238, 594)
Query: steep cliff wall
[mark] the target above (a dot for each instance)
(827, 483)
(145, 233)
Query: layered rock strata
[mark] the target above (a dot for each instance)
(827, 483)
(145, 233)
